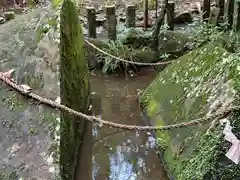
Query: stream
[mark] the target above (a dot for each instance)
(118, 154)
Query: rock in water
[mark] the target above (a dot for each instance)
(9, 15)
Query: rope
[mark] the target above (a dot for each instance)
(124, 60)
(94, 119)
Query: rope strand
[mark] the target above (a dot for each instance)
(94, 119)
(124, 60)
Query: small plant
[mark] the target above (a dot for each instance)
(9, 174)
(113, 65)
(205, 32)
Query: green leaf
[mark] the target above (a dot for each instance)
(56, 3)
(52, 21)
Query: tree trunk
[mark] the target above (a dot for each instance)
(75, 132)
(158, 25)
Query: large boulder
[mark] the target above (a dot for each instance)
(199, 83)
(30, 125)
(183, 17)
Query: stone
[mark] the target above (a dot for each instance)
(122, 19)
(140, 17)
(195, 8)
(183, 17)
(18, 10)
(172, 42)
(99, 10)
(100, 22)
(82, 19)
(135, 37)
(9, 15)
(1, 20)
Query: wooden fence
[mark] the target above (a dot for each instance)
(222, 12)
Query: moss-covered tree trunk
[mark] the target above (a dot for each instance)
(75, 132)
(158, 25)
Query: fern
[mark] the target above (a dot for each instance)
(118, 49)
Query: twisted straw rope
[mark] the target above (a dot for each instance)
(124, 60)
(94, 119)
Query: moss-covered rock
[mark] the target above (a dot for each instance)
(9, 15)
(135, 37)
(171, 42)
(200, 82)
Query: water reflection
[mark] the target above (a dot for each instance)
(120, 154)
(129, 161)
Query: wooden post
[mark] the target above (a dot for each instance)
(156, 10)
(229, 12)
(131, 16)
(170, 15)
(158, 24)
(145, 14)
(111, 22)
(206, 10)
(75, 132)
(91, 18)
(237, 20)
(220, 5)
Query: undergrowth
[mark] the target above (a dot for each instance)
(208, 161)
(113, 65)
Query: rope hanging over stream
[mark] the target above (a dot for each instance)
(124, 60)
(94, 119)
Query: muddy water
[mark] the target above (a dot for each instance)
(119, 154)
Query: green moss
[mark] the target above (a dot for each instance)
(74, 90)
(208, 161)
(186, 90)
(163, 138)
(203, 158)
(152, 107)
